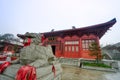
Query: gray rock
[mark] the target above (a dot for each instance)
(35, 55)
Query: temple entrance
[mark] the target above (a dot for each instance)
(53, 49)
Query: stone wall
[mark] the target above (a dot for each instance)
(112, 63)
(43, 73)
(40, 57)
(78, 62)
(70, 61)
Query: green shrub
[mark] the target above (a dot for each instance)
(96, 65)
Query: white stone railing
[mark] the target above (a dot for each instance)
(78, 62)
(70, 61)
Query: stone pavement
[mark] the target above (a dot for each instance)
(114, 76)
(75, 73)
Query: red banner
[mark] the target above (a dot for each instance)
(26, 73)
(4, 66)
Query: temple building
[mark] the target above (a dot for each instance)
(9, 48)
(12, 47)
(74, 43)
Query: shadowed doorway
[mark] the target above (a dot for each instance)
(53, 49)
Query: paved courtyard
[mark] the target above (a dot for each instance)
(75, 73)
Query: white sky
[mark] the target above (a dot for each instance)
(20, 16)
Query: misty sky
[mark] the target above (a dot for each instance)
(20, 16)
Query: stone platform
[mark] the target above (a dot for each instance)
(43, 73)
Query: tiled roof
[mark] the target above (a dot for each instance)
(98, 30)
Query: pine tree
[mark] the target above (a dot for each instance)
(95, 51)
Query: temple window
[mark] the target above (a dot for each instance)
(77, 48)
(72, 46)
(86, 43)
(66, 48)
(69, 48)
(71, 42)
(52, 38)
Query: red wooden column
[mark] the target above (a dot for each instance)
(80, 48)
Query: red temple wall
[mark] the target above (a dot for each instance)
(85, 53)
(70, 53)
(65, 50)
(6, 49)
